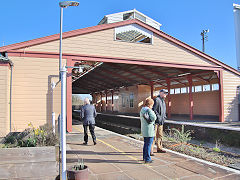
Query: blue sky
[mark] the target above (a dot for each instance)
(28, 19)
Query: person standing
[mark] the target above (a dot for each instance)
(88, 115)
(159, 108)
(147, 117)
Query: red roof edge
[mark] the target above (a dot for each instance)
(113, 25)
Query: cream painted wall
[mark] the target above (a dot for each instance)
(230, 95)
(32, 98)
(4, 100)
(102, 43)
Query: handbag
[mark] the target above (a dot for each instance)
(147, 117)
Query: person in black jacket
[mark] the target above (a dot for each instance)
(159, 108)
(88, 115)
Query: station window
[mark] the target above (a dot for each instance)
(131, 97)
(183, 90)
(177, 91)
(215, 87)
(123, 101)
(171, 91)
(206, 87)
(193, 88)
(198, 88)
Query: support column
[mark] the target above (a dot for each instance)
(101, 108)
(169, 98)
(152, 87)
(221, 100)
(112, 100)
(190, 97)
(106, 100)
(69, 95)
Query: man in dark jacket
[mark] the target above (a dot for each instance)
(159, 108)
(88, 115)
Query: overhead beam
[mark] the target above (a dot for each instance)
(94, 83)
(118, 75)
(152, 71)
(104, 80)
(92, 89)
(130, 72)
(198, 77)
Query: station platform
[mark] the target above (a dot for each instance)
(202, 123)
(117, 157)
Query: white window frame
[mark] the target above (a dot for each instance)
(208, 85)
(197, 87)
(212, 85)
(132, 100)
(182, 90)
(176, 90)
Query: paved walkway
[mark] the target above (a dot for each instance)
(116, 157)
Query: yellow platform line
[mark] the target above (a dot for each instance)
(111, 146)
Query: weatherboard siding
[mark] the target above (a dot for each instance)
(31, 95)
(4, 100)
(230, 84)
(102, 43)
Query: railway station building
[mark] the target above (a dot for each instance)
(126, 58)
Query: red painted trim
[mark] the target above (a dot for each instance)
(113, 25)
(190, 97)
(65, 35)
(69, 95)
(152, 88)
(221, 99)
(186, 46)
(106, 100)
(101, 108)
(169, 98)
(78, 57)
(112, 100)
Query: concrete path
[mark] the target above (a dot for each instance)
(116, 157)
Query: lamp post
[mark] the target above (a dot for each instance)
(63, 4)
(62, 73)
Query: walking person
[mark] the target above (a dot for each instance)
(88, 115)
(159, 108)
(147, 117)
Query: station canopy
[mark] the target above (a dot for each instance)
(98, 76)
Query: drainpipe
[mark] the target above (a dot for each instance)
(10, 102)
(4, 56)
(53, 85)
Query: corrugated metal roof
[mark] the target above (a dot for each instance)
(109, 76)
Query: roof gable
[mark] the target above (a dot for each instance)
(87, 30)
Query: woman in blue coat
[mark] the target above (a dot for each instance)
(147, 117)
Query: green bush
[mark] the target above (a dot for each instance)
(180, 135)
(32, 137)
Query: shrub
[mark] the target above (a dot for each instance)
(32, 137)
(179, 135)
